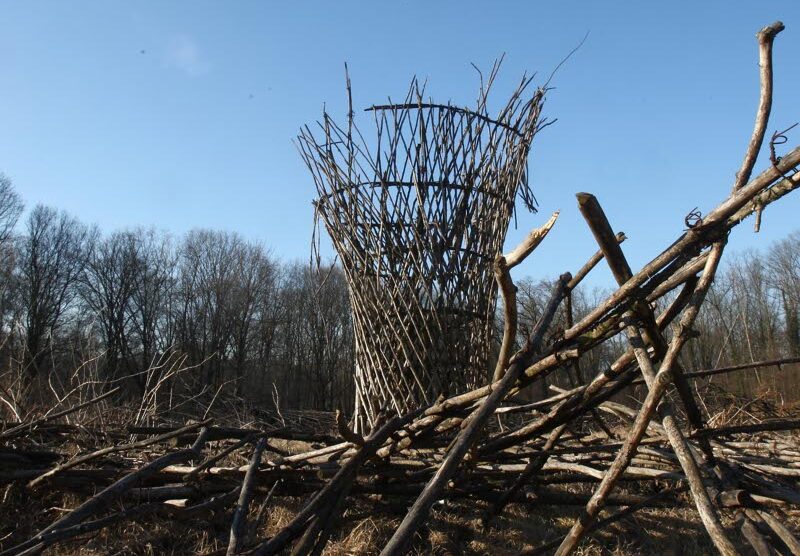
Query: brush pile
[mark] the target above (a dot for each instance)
(578, 447)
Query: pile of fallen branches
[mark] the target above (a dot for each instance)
(189, 473)
(740, 478)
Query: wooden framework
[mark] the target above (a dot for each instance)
(417, 217)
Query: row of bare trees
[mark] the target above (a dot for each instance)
(278, 332)
(246, 322)
(752, 311)
(753, 314)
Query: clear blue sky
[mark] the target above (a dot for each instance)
(180, 114)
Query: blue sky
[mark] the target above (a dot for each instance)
(181, 114)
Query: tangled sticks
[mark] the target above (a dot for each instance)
(445, 449)
(652, 350)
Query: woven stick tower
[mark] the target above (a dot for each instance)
(417, 215)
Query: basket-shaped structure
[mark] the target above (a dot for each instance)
(417, 217)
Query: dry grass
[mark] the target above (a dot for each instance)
(454, 528)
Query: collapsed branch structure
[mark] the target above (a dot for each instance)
(745, 475)
(417, 215)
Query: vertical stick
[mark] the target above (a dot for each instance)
(243, 504)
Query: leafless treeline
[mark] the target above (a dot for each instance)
(751, 314)
(248, 322)
(280, 332)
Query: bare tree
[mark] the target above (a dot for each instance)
(10, 208)
(52, 258)
(152, 329)
(253, 282)
(106, 287)
(316, 344)
(783, 262)
(207, 280)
